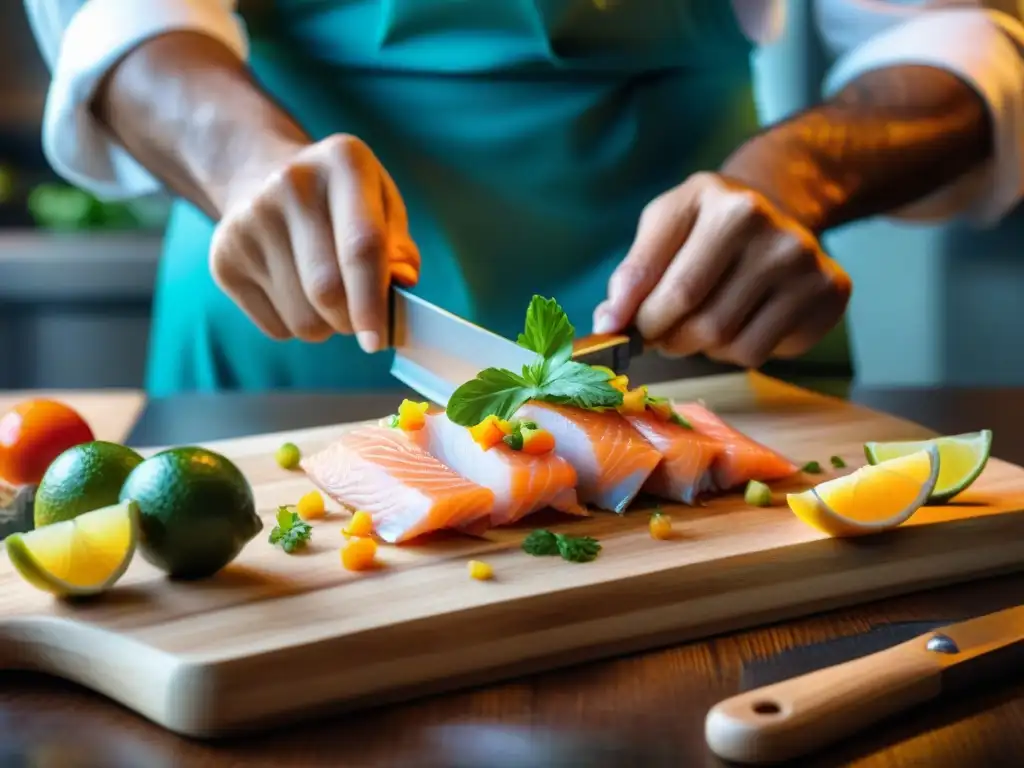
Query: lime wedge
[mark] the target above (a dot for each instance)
(962, 459)
(83, 556)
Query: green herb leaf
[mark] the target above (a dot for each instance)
(837, 462)
(291, 531)
(812, 468)
(577, 549)
(493, 391)
(577, 384)
(548, 331)
(540, 543)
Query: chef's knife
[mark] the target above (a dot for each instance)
(436, 351)
(789, 719)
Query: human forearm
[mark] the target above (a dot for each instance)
(187, 108)
(887, 139)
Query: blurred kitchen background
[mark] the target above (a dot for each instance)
(932, 304)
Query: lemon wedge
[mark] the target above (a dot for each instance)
(81, 556)
(874, 498)
(963, 457)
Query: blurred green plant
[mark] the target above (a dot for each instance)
(65, 208)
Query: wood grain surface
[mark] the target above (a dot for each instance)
(275, 635)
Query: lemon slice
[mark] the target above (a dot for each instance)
(874, 498)
(82, 556)
(963, 457)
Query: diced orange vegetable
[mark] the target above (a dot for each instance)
(311, 506)
(620, 383)
(412, 416)
(537, 441)
(660, 526)
(359, 554)
(480, 571)
(634, 401)
(361, 524)
(489, 432)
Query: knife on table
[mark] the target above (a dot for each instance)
(436, 351)
(789, 719)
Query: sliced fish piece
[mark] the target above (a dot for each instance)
(612, 460)
(405, 490)
(686, 471)
(522, 484)
(743, 458)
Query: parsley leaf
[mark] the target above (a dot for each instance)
(837, 462)
(575, 549)
(291, 531)
(540, 543)
(573, 383)
(548, 330)
(812, 468)
(493, 391)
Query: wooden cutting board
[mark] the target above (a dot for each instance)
(275, 637)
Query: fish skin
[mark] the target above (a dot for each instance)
(612, 460)
(522, 484)
(742, 458)
(686, 471)
(406, 491)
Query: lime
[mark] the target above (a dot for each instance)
(83, 478)
(961, 457)
(197, 511)
(83, 556)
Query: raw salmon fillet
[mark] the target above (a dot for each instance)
(686, 471)
(612, 460)
(406, 490)
(521, 483)
(742, 457)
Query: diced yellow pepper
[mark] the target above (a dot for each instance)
(480, 571)
(311, 506)
(489, 432)
(359, 554)
(661, 409)
(604, 369)
(620, 383)
(412, 416)
(634, 401)
(361, 524)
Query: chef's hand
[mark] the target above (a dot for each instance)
(310, 240)
(717, 269)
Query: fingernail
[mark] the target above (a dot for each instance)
(604, 322)
(369, 341)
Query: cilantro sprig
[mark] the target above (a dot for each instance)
(554, 377)
(575, 549)
(291, 531)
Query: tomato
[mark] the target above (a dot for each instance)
(35, 433)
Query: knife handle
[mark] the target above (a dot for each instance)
(794, 717)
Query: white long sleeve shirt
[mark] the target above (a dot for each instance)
(981, 42)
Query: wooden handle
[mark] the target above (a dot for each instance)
(789, 719)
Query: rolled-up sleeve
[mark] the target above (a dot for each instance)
(81, 40)
(983, 46)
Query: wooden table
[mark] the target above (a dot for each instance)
(645, 710)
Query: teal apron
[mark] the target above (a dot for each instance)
(525, 136)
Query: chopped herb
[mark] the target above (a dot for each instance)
(516, 438)
(575, 549)
(555, 377)
(837, 462)
(291, 531)
(811, 467)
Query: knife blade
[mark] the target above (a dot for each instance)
(436, 350)
(789, 719)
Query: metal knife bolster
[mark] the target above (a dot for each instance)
(974, 651)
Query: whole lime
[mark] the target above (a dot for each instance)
(85, 477)
(196, 511)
